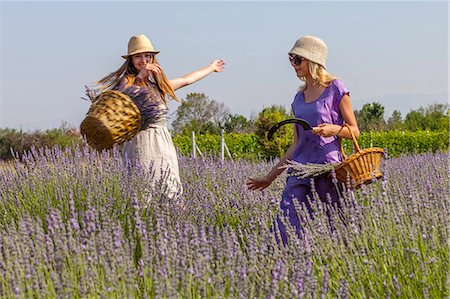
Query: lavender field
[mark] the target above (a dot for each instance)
(78, 225)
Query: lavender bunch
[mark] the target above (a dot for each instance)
(91, 94)
(308, 170)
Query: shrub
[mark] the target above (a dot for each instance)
(399, 143)
(251, 146)
(241, 146)
(16, 142)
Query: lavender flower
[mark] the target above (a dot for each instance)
(74, 225)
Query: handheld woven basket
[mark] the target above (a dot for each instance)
(113, 118)
(361, 167)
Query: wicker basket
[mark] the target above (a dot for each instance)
(361, 167)
(113, 118)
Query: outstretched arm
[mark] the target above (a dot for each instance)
(215, 66)
(264, 182)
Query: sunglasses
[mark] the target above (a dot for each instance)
(295, 59)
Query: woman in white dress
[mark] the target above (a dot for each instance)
(152, 148)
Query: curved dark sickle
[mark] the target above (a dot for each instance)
(305, 125)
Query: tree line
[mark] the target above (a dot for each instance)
(207, 118)
(202, 114)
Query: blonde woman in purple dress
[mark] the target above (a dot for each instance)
(152, 148)
(324, 102)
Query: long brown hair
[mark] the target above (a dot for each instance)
(112, 80)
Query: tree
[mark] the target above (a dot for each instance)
(415, 120)
(434, 118)
(282, 139)
(371, 117)
(236, 123)
(437, 117)
(199, 113)
(395, 122)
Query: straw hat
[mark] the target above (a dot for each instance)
(312, 48)
(139, 44)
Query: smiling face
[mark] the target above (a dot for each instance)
(140, 60)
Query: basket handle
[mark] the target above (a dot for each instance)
(355, 142)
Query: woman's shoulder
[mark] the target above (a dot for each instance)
(338, 86)
(336, 82)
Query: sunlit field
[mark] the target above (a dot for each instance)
(76, 224)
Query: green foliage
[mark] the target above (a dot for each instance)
(250, 146)
(434, 118)
(236, 123)
(10, 139)
(423, 130)
(395, 122)
(399, 143)
(415, 120)
(199, 113)
(241, 146)
(18, 141)
(282, 139)
(371, 117)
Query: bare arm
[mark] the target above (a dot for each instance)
(215, 66)
(263, 183)
(328, 130)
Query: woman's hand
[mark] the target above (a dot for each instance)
(149, 68)
(217, 65)
(259, 183)
(326, 130)
(153, 67)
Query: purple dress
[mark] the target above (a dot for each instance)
(313, 149)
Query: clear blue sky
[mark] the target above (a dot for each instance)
(392, 52)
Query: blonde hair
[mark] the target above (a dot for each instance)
(112, 80)
(319, 74)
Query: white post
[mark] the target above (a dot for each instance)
(228, 152)
(222, 145)
(194, 146)
(199, 151)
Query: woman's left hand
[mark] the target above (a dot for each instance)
(326, 130)
(218, 65)
(153, 67)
